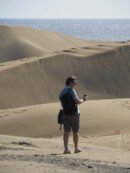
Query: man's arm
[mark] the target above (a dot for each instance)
(76, 99)
(79, 101)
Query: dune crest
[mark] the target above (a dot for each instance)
(18, 42)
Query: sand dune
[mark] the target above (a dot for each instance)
(101, 72)
(102, 68)
(19, 42)
(34, 65)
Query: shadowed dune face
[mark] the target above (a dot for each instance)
(102, 68)
(103, 75)
(20, 48)
(109, 72)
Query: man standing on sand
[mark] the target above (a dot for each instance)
(71, 121)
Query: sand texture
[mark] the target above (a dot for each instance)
(33, 67)
(102, 68)
(18, 42)
(18, 154)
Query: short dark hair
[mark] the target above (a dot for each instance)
(70, 80)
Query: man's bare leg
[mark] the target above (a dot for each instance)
(75, 139)
(66, 141)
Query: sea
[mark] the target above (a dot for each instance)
(90, 29)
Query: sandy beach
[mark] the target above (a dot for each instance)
(33, 67)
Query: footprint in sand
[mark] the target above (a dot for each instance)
(23, 143)
(86, 48)
(66, 50)
(74, 48)
(6, 115)
(126, 104)
(20, 111)
(101, 45)
(1, 116)
(23, 59)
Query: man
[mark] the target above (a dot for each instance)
(71, 121)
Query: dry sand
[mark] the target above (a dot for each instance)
(99, 120)
(33, 67)
(24, 155)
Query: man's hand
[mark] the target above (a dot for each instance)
(79, 101)
(85, 97)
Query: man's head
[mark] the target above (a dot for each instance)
(71, 81)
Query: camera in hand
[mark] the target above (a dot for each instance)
(85, 97)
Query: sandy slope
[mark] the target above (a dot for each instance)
(18, 42)
(99, 120)
(101, 117)
(102, 71)
(102, 68)
(32, 82)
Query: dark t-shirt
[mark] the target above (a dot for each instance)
(72, 93)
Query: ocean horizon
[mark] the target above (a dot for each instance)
(90, 29)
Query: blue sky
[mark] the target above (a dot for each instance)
(64, 8)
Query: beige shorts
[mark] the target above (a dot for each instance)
(71, 122)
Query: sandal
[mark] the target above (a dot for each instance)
(78, 151)
(67, 152)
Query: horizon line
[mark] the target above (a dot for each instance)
(65, 18)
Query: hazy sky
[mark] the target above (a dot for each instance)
(64, 8)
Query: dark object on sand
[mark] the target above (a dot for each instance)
(89, 166)
(22, 143)
(60, 117)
